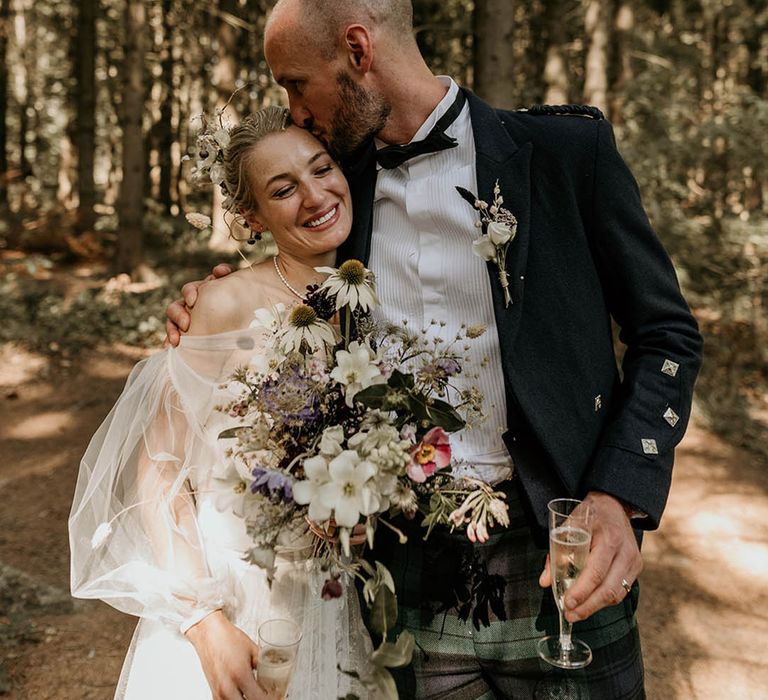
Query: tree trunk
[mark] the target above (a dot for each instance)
(131, 201)
(5, 31)
(85, 131)
(624, 25)
(20, 83)
(165, 125)
(224, 79)
(555, 67)
(494, 63)
(598, 32)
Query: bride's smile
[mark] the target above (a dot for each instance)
(300, 194)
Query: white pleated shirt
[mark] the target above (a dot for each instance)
(421, 252)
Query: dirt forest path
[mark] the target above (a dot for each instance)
(704, 601)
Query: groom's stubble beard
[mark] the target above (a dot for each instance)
(360, 115)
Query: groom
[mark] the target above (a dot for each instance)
(561, 420)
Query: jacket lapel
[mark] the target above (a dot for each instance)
(500, 158)
(362, 185)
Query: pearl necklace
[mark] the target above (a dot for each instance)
(285, 281)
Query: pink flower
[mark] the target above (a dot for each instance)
(431, 454)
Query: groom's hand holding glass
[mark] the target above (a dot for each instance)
(614, 561)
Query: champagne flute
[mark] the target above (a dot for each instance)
(570, 534)
(278, 648)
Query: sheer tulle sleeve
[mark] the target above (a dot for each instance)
(134, 537)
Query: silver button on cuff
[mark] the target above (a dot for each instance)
(671, 417)
(649, 446)
(670, 368)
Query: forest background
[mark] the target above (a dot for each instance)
(100, 101)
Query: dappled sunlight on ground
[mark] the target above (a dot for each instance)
(704, 610)
(704, 591)
(42, 425)
(18, 365)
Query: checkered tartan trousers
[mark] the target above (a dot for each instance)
(454, 660)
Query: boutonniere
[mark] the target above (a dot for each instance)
(499, 227)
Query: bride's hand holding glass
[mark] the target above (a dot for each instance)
(228, 657)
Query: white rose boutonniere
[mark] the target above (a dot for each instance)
(499, 227)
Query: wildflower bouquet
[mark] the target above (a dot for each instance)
(343, 430)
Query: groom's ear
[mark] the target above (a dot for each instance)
(359, 47)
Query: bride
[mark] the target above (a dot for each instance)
(156, 527)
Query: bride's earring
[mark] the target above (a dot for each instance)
(254, 235)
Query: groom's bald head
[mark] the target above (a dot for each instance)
(323, 22)
(342, 62)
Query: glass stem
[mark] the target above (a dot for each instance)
(565, 633)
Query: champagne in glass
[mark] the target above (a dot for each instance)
(570, 536)
(278, 649)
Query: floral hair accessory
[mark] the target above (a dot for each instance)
(499, 227)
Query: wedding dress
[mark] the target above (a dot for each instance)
(155, 531)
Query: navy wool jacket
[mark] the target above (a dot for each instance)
(584, 253)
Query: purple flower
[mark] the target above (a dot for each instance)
(449, 366)
(292, 396)
(272, 484)
(437, 373)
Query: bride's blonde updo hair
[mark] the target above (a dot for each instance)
(239, 152)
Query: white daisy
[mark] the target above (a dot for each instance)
(271, 319)
(304, 327)
(352, 284)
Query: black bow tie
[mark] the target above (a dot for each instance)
(436, 140)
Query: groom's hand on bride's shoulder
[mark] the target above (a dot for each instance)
(178, 312)
(614, 559)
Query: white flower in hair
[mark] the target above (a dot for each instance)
(217, 173)
(199, 221)
(222, 137)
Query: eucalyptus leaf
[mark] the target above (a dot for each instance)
(445, 416)
(383, 611)
(383, 573)
(373, 397)
(380, 681)
(398, 380)
(436, 413)
(391, 655)
(230, 433)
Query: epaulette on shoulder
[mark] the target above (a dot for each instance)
(565, 110)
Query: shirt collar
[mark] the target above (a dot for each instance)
(442, 107)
